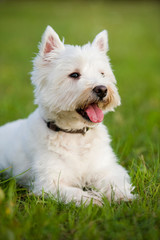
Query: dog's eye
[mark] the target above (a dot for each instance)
(102, 73)
(74, 75)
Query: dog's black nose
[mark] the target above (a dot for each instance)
(101, 91)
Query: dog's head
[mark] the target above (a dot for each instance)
(74, 86)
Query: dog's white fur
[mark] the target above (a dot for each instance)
(62, 163)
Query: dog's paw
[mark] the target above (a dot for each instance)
(123, 197)
(95, 201)
(90, 197)
(119, 194)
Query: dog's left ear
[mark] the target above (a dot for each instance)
(101, 41)
(50, 42)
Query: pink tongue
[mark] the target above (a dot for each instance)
(94, 113)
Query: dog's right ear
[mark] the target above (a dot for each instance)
(101, 42)
(50, 42)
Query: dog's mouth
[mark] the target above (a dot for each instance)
(91, 113)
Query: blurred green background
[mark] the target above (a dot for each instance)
(134, 41)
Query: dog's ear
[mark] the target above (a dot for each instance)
(50, 42)
(101, 41)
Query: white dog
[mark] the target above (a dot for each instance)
(63, 144)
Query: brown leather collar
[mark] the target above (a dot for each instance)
(54, 127)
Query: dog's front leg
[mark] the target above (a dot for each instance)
(68, 193)
(114, 182)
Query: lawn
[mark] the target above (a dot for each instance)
(134, 41)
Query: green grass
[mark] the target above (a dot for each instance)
(134, 41)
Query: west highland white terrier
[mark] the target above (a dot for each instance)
(63, 148)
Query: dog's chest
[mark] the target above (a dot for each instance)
(73, 145)
(74, 157)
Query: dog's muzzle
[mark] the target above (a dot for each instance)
(100, 91)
